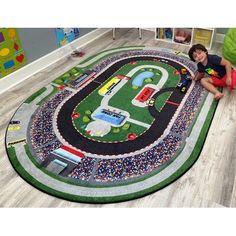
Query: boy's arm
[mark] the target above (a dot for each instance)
(228, 69)
(198, 75)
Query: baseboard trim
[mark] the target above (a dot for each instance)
(38, 65)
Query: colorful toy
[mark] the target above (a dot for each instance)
(183, 89)
(183, 71)
(77, 53)
(182, 85)
(182, 36)
(151, 102)
(168, 33)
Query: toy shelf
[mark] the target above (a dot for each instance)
(186, 36)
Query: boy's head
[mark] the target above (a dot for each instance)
(196, 48)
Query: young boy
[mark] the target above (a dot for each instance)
(219, 70)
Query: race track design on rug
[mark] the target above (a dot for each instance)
(120, 125)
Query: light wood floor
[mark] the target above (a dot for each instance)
(209, 183)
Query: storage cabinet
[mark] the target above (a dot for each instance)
(186, 36)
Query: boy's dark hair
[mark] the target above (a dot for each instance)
(194, 48)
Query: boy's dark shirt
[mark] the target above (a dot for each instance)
(212, 67)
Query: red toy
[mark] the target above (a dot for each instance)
(77, 53)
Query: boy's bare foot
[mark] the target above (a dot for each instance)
(218, 96)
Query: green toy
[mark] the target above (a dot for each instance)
(229, 46)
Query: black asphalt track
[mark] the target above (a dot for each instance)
(162, 119)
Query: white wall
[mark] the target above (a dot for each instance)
(38, 42)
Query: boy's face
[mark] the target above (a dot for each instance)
(200, 56)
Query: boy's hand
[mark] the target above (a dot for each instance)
(195, 78)
(192, 77)
(198, 76)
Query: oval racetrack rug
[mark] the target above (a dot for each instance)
(120, 125)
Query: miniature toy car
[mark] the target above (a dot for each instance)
(184, 82)
(183, 89)
(151, 102)
(183, 71)
(77, 53)
(179, 85)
